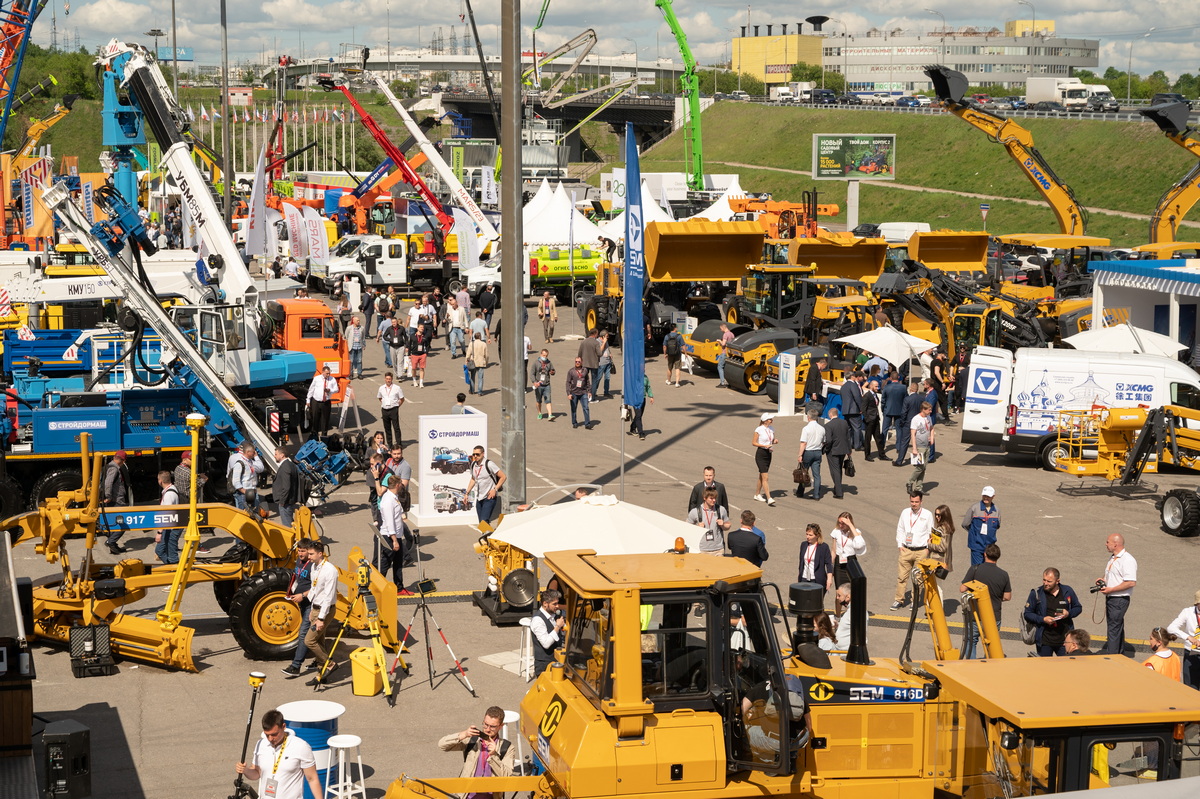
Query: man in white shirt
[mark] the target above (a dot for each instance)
(292, 269)
(456, 319)
(319, 401)
(282, 762)
(1187, 628)
(243, 470)
(391, 397)
(1120, 576)
(391, 530)
(920, 442)
(912, 539)
(323, 596)
(812, 442)
(414, 318)
(842, 633)
(546, 629)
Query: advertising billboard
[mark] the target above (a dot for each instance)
(854, 156)
(444, 468)
(181, 54)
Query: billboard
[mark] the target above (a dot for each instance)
(854, 156)
(181, 54)
(444, 469)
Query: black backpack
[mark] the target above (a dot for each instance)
(382, 305)
(673, 346)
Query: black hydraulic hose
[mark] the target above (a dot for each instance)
(106, 371)
(8, 392)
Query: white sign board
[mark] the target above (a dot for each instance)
(787, 384)
(444, 466)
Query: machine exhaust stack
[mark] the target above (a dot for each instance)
(857, 653)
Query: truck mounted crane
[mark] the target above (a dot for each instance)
(1177, 201)
(951, 86)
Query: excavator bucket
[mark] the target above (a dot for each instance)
(701, 250)
(948, 84)
(1171, 118)
(953, 252)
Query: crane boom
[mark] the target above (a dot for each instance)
(950, 86)
(457, 190)
(1179, 199)
(38, 129)
(16, 21)
(689, 83)
(445, 221)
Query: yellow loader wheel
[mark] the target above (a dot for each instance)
(263, 622)
(756, 377)
(731, 315)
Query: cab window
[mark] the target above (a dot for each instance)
(310, 328)
(675, 654)
(587, 648)
(1185, 395)
(395, 251)
(235, 326)
(374, 251)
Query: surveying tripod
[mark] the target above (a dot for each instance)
(365, 596)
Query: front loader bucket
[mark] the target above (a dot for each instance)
(1171, 118)
(948, 84)
(701, 250)
(950, 251)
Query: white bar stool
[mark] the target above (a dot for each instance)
(525, 658)
(513, 717)
(345, 785)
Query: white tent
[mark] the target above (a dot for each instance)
(720, 211)
(551, 225)
(1125, 338)
(651, 212)
(599, 522)
(539, 200)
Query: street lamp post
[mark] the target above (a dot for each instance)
(635, 65)
(1129, 65)
(1032, 33)
(845, 60)
(943, 17)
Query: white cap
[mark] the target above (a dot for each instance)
(988, 491)
(766, 416)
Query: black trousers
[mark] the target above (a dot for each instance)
(1114, 610)
(873, 433)
(635, 424)
(835, 471)
(318, 416)
(391, 423)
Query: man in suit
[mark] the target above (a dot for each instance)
(709, 482)
(286, 488)
(745, 543)
(814, 386)
(852, 410)
(871, 421)
(892, 400)
(839, 440)
(911, 407)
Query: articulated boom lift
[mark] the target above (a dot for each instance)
(1177, 201)
(950, 86)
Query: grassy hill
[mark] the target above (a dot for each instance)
(1118, 166)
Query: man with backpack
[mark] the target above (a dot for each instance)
(484, 487)
(386, 320)
(1049, 615)
(456, 321)
(673, 349)
(589, 353)
(396, 339)
(117, 493)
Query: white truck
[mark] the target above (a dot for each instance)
(781, 94)
(1071, 92)
(381, 261)
(1013, 399)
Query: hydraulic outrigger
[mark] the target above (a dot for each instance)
(1177, 201)
(950, 86)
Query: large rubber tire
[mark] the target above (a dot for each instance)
(591, 316)
(10, 498)
(263, 622)
(224, 591)
(1180, 513)
(1051, 454)
(50, 483)
(453, 286)
(731, 313)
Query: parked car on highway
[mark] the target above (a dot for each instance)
(1017, 103)
(922, 99)
(907, 102)
(982, 99)
(849, 99)
(879, 98)
(823, 97)
(1102, 105)
(867, 230)
(1000, 105)
(1050, 106)
(1169, 97)
(738, 94)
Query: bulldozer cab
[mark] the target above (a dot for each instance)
(779, 294)
(975, 325)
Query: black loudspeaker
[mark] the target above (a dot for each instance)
(68, 760)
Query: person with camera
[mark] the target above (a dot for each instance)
(485, 753)
(323, 596)
(1051, 608)
(546, 628)
(1120, 576)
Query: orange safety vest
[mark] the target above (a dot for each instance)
(1169, 666)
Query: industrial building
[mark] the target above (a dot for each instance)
(893, 60)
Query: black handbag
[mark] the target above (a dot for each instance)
(848, 467)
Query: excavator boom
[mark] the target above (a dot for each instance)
(1177, 201)
(950, 86)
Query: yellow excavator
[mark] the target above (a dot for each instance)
(682, 674)
(950, 86)
(39, 127)
(1177, 201)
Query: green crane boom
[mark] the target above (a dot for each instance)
(690, 85)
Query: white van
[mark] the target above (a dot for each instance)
(1013, 399)
(899, 232)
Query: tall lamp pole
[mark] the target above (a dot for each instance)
(635, 67)
(226, 145)
(845, 60)
(174, 54)
(943, 17)
(1129, 66)
(1032, 33)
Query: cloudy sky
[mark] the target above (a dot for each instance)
(318, 27)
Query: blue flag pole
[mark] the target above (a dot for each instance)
(633, 349)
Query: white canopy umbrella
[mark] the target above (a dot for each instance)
(599, 522)
(889, 343)
(1125, 338)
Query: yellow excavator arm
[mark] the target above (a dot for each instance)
(950, 86)
(38, 129)
(1177, 201)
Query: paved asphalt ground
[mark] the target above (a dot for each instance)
(158, 733)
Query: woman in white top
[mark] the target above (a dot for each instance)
(764, 440)
(824, 630)
(848, 544)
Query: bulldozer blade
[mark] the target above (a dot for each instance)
(145, 639)
(1171, 118)
(948, 84)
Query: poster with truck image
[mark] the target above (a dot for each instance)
(443, 466)
(854, 156)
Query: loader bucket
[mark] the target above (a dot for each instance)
(701, 250)
(1171, 118)
(948, 84)
(851, 259)
(950, 251)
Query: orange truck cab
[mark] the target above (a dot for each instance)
(307, 325)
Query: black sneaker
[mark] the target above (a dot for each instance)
(116, 549)
(291, 670)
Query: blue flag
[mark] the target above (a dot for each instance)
(633, 386)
